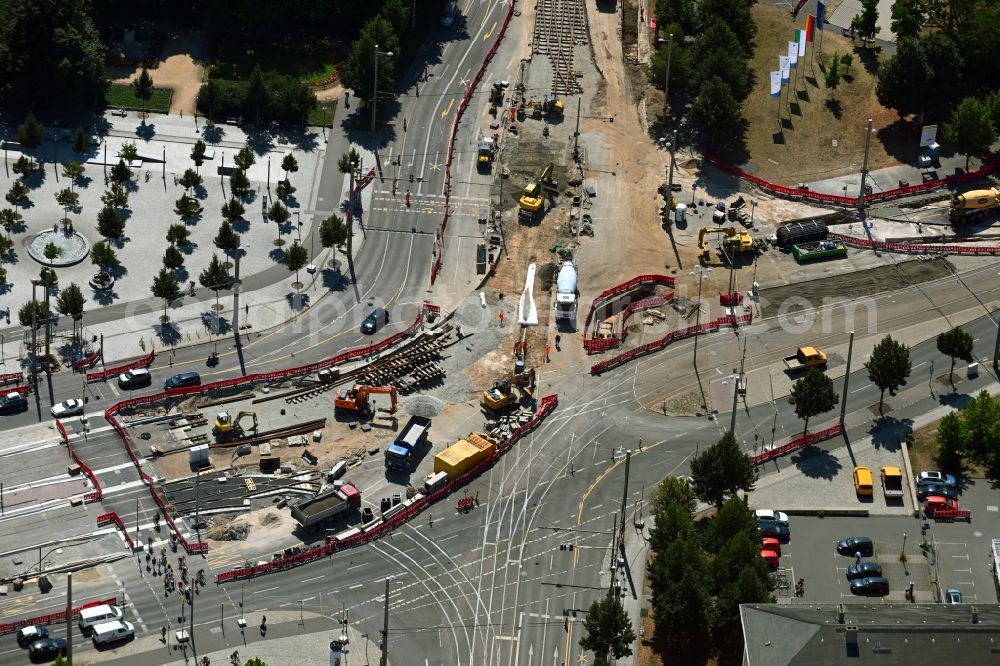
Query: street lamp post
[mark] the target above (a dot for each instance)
(666, 81)
(375, 83)
(298, 220)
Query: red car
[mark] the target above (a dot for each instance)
(770, 543)
(770, 558)
(939, 503)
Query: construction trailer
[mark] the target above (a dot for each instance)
(464, 454)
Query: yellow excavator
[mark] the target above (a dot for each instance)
(740, 241)
(532, 201)
(553, 105)
(226, 427)
(502, 394)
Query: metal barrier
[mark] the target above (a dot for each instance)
(143, 362)
(59, 616)
(594, 345)
(97, 493)
(949, 514)
(797, 443)
(907, 248)
(796, 193)
(545, 407)
(12, 377)
(113, 517)
(88, 361)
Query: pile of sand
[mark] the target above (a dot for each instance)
(422, 405)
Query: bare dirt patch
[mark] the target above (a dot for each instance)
(817, 118)
(853, 285)
(180, 69)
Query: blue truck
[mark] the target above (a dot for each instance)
(399, 455)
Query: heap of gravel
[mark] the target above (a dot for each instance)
(422, 405)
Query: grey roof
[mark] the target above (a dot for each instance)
(910, 634)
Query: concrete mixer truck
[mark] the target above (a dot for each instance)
(566, 293)
(970, 205)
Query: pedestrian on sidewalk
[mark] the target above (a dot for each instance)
(501, 317)
(548, 350)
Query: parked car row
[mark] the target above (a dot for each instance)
(866, 577)
(774, 530)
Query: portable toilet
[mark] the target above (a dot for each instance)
(680, 214)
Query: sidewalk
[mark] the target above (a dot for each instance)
(291, 640)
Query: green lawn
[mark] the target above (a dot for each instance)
(309, 64)
(123, 96)
(322, 115)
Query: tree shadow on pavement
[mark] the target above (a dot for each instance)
(816, 463)
(888, 432)
(168, 333)
(334, 280)
(105, 296)
(213, 133)
(955, 400)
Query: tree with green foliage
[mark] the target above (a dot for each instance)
(143, 87)
(67, 198)
(239, 184)
(721, 470)
(955, 343)
(397, 12)
(72, 171)
(226, 239)
(812, 395)
(737, 15)
(198, 154)
(718, 53)
(673, 491)
(190, 179)
(232, 210)
(104, 256)
(121, 173)
(186, 207)
(51, 252)
(215, 277)
(903, 79)
(172, 258)
(178, 234)
(284, 190)
(116, 196)
(36, 311)
(358, 70)
(970, 129)
(717, 113)
(865, 24)
(946, 59)
(110, 223)
(278, 214)
(30, 133)
(680, 56)
(846, 60)
(832, 76)
(608, 631)
(129, 151)
(70, 303)
(81, 141)
(17, 193)
(6, 245)
(3, 274)
(950, 439)
(254, 661)
(24, 166)
(981, 432)
(289, 164)
(47, 278)
(52, 55)
(907, 18)
(256, 97)
(889, 367)
(682, 606)
(245, 159)
(296, 257)
(165, 286)
(351, 157)
(9, 219)
(681, 13)
(332, 231)
(672, 522)
(752, 585)
(732, 518)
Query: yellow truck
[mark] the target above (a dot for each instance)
(805, 357)
(892, 482)
(464, 454)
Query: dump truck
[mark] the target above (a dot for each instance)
(805, 357)
(970, 205)
(399, 455)
(892, 482)
(823, 249)
(464, 454)
(326, 505)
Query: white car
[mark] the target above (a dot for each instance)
(936, 477)
(771, 515)
(67, 408)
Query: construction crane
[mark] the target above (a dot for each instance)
(356, 400)
(532, 201)
(501, 395)
(226, 427)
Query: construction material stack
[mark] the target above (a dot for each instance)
(464, 454)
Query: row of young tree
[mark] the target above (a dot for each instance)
(712, 44)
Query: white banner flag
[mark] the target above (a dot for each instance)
(793, 54)
(776, 84)
(783, 67)
(800, 36)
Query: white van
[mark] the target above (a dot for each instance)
(111, 632)
(89, 617)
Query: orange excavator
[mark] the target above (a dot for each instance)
(356, 400)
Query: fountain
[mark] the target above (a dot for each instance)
(73, 248)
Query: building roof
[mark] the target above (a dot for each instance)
(910, 634)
